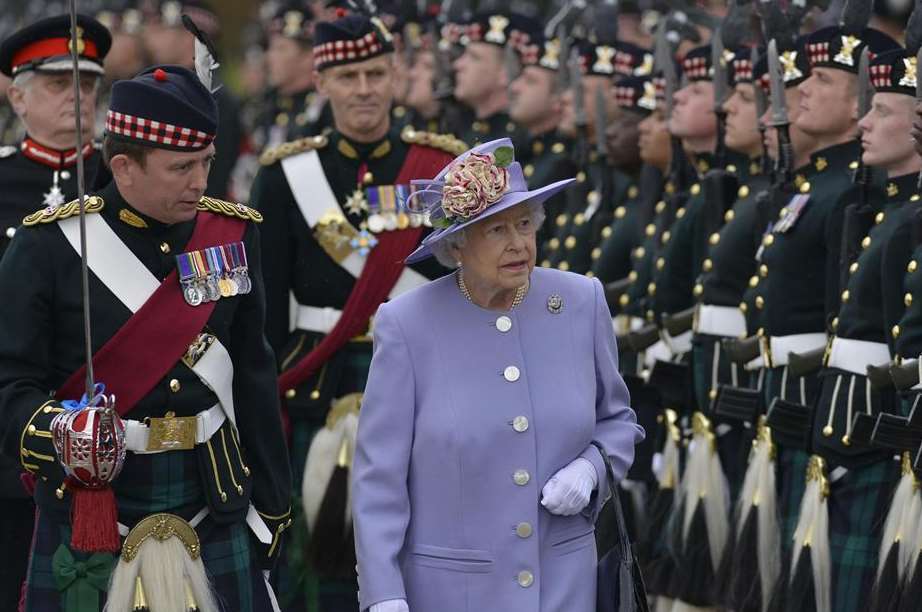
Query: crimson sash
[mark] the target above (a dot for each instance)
(150, 343)
(381, 272)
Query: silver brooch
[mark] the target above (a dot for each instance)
(555, 304)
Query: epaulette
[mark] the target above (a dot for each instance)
(8, 151)
(444, 142)
(241, 211)
(287, 149)
(49, 214)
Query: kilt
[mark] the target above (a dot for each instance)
(236, 579)
(300, 589)
(858, 504)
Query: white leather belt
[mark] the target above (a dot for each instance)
(317, 319)
(625, 323)
(776, 348)
(727, 321)
(207, 422)
(856, 355)
(677, 345)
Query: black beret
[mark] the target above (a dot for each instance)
(636, 93)
(294, 21)
(166, 107)
(894, 72)
(353, 38)
(45, 46)
(832, 47)
(631, 60)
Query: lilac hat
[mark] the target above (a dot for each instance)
(475, 185)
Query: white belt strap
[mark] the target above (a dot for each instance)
(316, 319)
(677, 345)
(727, 321)
(625, 323)
(207, 422)
(780, 346)
(130, 281)
(856, 355)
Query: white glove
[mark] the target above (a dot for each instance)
(568, 491)
(391, 605)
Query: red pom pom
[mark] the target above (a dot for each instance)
(341, 12)
(160, 74)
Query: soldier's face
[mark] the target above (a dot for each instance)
(802, 143)
(884, 136)
(693, 118)
(621, 138)
(288, 61)
(168, 185)
(531, 97)
(742, 121)
(591, 84)
(654, 141)
(479, 73)
(917, 128)
(360, 95)
(45, 103)
(828, 104)
(499, 252)
(422, 85)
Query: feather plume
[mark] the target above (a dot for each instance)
(205, 56)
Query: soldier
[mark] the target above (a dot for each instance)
(204, 444)
(168, 42)
(481, 79)
(536, 106)
(425, 107)
(798, 292)
(339, 230)
(42, 169)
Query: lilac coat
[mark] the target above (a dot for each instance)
(447, 475)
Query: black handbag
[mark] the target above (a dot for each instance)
(620, 586)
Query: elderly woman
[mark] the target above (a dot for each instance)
(478, 473)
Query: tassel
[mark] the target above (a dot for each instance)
(697, 576)
(885, 597)
(94, 519)
(744, 593)
(912, 592)
(811, 542)
(330, 537)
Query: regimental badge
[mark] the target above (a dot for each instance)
(892, 190)
(846, 54)
(788, 61)
(646, 67)
(604, 60)
(648, 99)
(81, 45)
(794, 210)
(293, 22)
(497, 33)
(210, 274)
(551, 57)
(334, 235)
(909, 74)
(197, 349)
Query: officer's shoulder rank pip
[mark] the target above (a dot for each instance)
(230, 209)
(443, 142)
(50, 214)
(294, 147)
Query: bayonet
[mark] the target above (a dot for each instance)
(864, 83)
(511, 61)
(785, 163)
(719, 79)
(601, 120)
(563, 72)
(576, 83)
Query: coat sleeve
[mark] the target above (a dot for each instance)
(380, 495)
(616, 428)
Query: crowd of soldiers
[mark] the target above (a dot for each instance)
(747, 187)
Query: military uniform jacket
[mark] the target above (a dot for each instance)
(27, 184)
(547, 160)
(799, 289)
(41, 345)
(462, 425)
(498, 125)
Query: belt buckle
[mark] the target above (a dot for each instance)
(765, 345)
(172, 433)
(828, 352)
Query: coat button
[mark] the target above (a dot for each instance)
(504, 324)
(521, 477)
(523, 530)
(526, 579)
(175, 386)
(10, 232)
(65, 175)
(511, 373)
(520, 424)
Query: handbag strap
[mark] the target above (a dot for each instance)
(624, 541)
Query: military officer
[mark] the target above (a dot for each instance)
(798, 292)
(339, 228)
(168, 42)
(481, 79)
(536, 106)
(204, 444)
(42, 168)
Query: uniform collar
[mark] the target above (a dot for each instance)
(836, 157)
(53, 158)
(363, 151)
(126, 214)
(903, 188)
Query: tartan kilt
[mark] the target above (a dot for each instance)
(858, 504)
(236, 579)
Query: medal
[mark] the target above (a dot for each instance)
(231, 284)
(241, 276)
(375, 223)
(192, 296)
(188, 279)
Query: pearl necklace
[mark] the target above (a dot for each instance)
(520, 293)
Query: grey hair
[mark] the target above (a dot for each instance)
(443, 249)
(23, 79)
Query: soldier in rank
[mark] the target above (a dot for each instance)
(536, 106)
(183, 427)
(481, 78)
(339, 229)
(42, 169)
